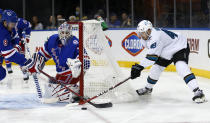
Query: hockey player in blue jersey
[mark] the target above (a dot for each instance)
(63, 48)
(8, 64)
(23, 29)
(24, 26)
(10, 50)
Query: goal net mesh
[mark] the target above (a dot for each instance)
(102, 71)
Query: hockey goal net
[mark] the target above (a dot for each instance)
(103, 71)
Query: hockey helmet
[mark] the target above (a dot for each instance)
(64, 32)
(144, 26)
(9, 16)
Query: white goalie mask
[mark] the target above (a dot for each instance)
(143, 26)
(64, 32)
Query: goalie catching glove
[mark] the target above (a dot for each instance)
(34, 64)
(136, 71)
(75, 66)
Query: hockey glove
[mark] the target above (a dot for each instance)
(136, 71)
(34, 64)
(75, 66)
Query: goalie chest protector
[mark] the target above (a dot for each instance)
(60, 52)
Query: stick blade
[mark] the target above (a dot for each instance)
(102, 105)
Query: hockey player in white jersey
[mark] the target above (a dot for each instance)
(164, 47)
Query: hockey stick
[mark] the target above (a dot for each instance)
(106, 91)
(36, 81)
(104, 105)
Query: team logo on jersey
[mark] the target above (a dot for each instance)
(132, 44)
(5, 42)
(109, 41)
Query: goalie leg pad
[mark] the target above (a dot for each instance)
(53, 90)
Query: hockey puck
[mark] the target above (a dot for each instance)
(84, 108)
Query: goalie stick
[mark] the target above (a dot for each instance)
(104, 105)
(36, 81)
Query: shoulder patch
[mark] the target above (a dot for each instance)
(5, 42)
(153, 45)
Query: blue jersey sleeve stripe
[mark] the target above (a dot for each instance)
(9, 53)
(44, 53)
(15, 57)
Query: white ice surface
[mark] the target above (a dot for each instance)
(171, 101)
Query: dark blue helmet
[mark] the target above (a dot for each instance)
(9, 16)
(1, 11)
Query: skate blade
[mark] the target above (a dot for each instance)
(202, 100)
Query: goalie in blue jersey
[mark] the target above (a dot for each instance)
(63, 48)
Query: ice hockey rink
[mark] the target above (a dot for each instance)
(171, 101)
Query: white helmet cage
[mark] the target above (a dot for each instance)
(64, 32)
(144, 26)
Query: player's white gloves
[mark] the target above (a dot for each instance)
(75, 66)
